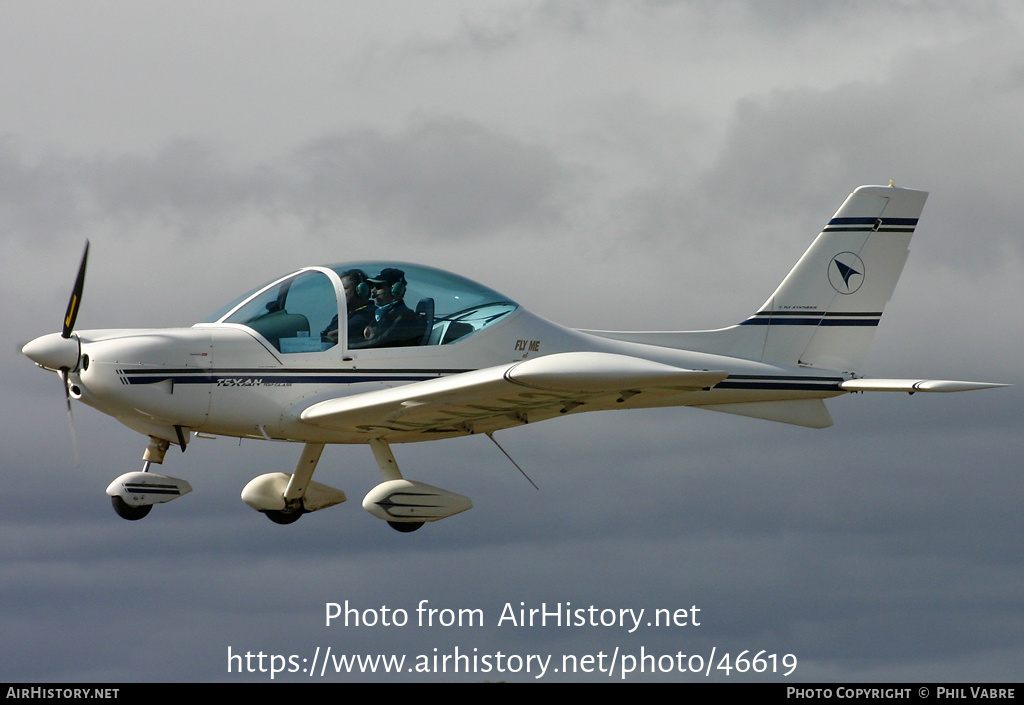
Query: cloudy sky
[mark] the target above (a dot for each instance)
(620, 165)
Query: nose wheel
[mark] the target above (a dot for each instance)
(127, 511)
(134, 493)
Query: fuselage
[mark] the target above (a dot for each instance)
(226, 379)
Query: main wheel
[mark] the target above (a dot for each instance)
(127, 511)
(405, 526)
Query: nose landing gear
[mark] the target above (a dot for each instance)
(134, 493)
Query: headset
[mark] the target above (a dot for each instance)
(362, 287)
(397, 288)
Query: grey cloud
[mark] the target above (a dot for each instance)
(185, 183)
(444, 178)
(799, 148)
(506, 29)
(40, 196)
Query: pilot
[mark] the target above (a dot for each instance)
(359, 307)
(395, 323)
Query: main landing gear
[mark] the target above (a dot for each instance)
(404, 504)
(285, 498)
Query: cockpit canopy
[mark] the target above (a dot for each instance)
(392, 305)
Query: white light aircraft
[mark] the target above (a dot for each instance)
(428, 355)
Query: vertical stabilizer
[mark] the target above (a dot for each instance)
(825, 312)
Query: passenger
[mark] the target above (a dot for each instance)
(359, 307)
(395, 323)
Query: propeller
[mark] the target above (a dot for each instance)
(62, 352)
(76, 296)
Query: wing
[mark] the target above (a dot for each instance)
(498, 397)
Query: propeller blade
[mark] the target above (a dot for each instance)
(76, 296)
(71, 416)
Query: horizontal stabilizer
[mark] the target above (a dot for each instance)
(811, 413)
(914, 385)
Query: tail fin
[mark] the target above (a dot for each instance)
(825, 312)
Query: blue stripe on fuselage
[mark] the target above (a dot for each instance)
(811, 318)
(263, 377)
(245, 377)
